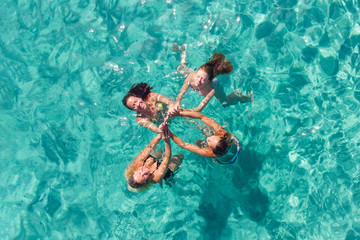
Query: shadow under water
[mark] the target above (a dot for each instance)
(230, 188)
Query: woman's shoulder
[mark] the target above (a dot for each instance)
(191, 74)
(153, 97)
(206, 152)
(188, 78)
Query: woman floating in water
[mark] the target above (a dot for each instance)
(149, 105)
(147, 168)
(223, 146)
(204, 80)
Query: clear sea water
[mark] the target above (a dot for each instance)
(66, 138)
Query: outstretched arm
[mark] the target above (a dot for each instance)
(160, 172)
(139, 160)
(174, 109)
(145, 122)
(183, 90)
(206, 152)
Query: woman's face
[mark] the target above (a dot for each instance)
(200, 78)
(136, 104)
(212, 141)
(141, 176)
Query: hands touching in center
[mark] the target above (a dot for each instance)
(165, 131)
(173, 111)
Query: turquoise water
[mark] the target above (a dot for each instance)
(66, 139)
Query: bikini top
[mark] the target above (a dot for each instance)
(157, 160)
(158, 116)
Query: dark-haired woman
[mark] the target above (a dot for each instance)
(149, 167)
(205, 83)
(149, 105)
(223, 146)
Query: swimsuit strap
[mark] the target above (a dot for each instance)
(150, 156)
(160, 107)
(158, 163)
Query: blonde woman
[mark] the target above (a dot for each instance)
(148, 169)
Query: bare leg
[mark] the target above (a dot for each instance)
(238, 96)
(175, 161)
(157, 153)
(183, 69)
(175, 47)
(183, 54)
(182, 48)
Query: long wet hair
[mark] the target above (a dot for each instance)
(217, 65)
(132, 185)
(140, 90)
(222, 145)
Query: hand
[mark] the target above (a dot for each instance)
(162, 126)
(165, 131)
(173, 110)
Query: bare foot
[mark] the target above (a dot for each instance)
(183, 47)
(175, 162)
(176, 47)
(244, 98)
(251, 95)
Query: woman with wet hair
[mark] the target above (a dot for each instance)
(150, 167)
(205, 83)
(221, 145)
(148, 105)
